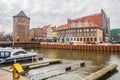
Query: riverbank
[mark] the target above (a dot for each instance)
(6, 75)
(88, 47)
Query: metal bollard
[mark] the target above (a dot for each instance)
(67, 68)
(82, 64)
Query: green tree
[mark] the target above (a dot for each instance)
(115, 34)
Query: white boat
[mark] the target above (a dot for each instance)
(16, 54)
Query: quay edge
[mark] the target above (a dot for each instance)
(89, 47)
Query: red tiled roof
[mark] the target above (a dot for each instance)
(46, 27)
(54, 28)
(93, 24)
(95, 20)
(65, 26)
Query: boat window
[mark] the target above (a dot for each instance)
(4, 54)
(7, 54)
(19, 52)
(1, 54)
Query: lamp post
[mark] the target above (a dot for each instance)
(119, 37)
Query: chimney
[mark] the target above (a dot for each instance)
(68, 20)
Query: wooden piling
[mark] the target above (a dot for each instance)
(41, 63)
(91, 47)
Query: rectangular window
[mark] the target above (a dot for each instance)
(84, 34)
(87, 34)
(74, 30)
(71, 39)
(94, 29)
(91, 29)
(69, 35)
(67, 39)
(83, 30)
(74, 39)
(77, 39)
(84, 39)
(87, 30)
(80, 34)
(87, 39)
(80, 39)
(95, 39)
(95, 34)
(74, 35)
(91, 34)
(80, 30)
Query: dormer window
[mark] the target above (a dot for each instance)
(86, 24)
(73, 25)
(80, 24)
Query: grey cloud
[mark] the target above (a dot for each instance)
(55, 12)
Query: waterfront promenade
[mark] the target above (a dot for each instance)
(7, 75)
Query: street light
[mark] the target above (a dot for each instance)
(119, 37)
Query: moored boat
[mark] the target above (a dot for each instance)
(17, 54)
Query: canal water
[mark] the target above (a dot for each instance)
(97, 58)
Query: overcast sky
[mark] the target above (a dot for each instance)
(56, 12)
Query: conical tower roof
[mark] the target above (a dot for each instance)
(21, 14)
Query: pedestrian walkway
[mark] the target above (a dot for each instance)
(5, 75)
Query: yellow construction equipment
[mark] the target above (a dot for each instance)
(17, 70)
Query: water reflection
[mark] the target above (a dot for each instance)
(98, 58)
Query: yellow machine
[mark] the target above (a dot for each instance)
(17, 70)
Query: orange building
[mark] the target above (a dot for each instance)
(21, 24)
(99, 21)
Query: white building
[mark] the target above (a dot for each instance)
(49, 31)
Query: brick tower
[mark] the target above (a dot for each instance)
(21, 24)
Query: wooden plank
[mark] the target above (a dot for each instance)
(50, 61)
(101, 72)
(5, 75)
(56, 70)
(40, 63)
